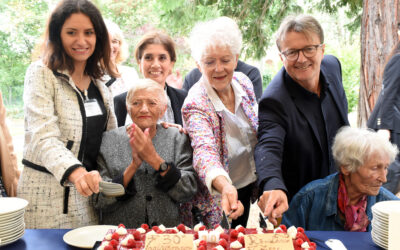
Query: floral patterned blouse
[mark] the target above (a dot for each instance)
(205, 127)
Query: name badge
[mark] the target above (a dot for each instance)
(92, 108)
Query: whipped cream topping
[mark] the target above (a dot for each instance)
(197, 242)
(102, 246)
(270, 226)
(292, 232)
(219, 229)
(305, 245)
(236, 244)
(124, 242)
(108, 237)
(141, 230)
(197, 227)
(151, 232)
(121, 231)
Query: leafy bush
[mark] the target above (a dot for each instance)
(349, 57)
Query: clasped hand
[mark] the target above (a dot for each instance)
(141, 144)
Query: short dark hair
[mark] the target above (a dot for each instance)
(54, 55)
(155, 37)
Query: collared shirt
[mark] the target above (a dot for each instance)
(327, 120)
(169, 114)
(240, 138)
(315, 207)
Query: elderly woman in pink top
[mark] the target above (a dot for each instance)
(220, 116)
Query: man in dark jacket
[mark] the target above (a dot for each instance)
(299, 115)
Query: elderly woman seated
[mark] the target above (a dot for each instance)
(342, 201)
(154, 164)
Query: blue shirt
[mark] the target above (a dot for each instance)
(315, 208)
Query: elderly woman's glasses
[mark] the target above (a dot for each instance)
(293, 54)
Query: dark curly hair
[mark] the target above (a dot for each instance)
(54, 55)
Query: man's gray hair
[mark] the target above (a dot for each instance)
(304, 24)
(222, 31)
(147, 84)
(352, 147)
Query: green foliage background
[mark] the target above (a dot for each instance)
(22, 23)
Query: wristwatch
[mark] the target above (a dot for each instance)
(163, 167)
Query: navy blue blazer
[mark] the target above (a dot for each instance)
(288, 152)
(386, 113)
(177, 97)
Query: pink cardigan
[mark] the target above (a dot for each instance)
(206, 130)
(8, 159)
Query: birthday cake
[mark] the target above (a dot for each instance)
(203, 239)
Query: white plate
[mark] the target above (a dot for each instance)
(10, 220)
(386, 207)
(11, 204)
(379, 242)
(85, 237)
(11, 240)
(11, 225)
(12, 215)
(13, 231)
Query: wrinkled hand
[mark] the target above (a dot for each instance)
(230, 203)
(86, 183)
(274, 203)
(173, 125)
(141, 144)
(136, 160)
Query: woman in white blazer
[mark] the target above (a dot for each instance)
(67, 108)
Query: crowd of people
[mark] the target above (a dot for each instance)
(187, 155)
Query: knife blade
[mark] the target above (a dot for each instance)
(224, 221)
(262, 222)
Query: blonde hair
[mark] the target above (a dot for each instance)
(116, 33)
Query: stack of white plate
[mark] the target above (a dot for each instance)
(12, 226)
(380, 221)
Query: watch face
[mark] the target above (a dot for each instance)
(163, 166)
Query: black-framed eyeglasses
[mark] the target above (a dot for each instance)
(293, 54)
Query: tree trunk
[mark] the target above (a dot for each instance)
(378, 37)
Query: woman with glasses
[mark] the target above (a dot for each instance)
(220, 115)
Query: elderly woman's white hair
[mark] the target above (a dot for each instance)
(117, 33)
(147, 84)
(352, 147)
(222, 31)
